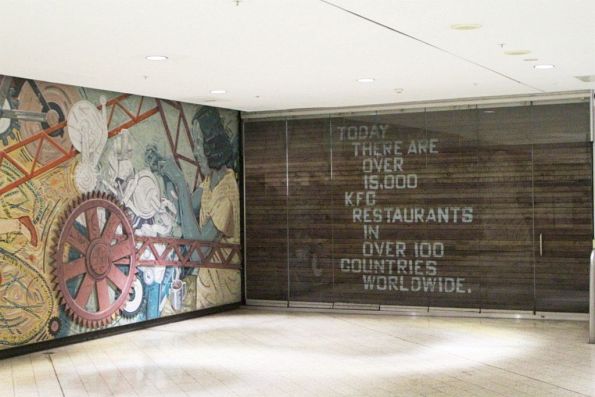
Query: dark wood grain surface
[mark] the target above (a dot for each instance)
(524, 171)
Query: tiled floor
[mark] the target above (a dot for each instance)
(264, 353)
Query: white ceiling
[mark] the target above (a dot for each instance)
(288, 54)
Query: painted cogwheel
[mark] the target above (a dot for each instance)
(95, 260)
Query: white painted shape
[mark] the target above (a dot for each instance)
(5, 121)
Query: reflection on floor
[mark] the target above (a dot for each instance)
(265, 353)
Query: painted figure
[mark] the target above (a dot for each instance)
(216, 202)
(212, 211)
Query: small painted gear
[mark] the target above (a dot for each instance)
(8, 126)
(54, 326)
(95, 260)
(136, 300)
(53, 99)
(148, 276)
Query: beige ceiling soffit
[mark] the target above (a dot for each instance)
(420, 106)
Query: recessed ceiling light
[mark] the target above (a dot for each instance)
(465, 26)
(218, 91)
(366, 80)
(530, 59)
(544, 66)
(156, 57)
(517, 52)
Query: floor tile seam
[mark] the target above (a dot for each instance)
(33, 373)
(157, 365)
(540, 381)
(77, 371)
(157, 329)
(532, 378)
(12, 380)
(341, 318)
(85, 382)
(536, 380)
(42, 371)
(121, 375)
(80, 380)
(49, 357)
(506, 384)
(99, 372)
(473, 384)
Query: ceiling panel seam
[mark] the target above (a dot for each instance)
(329, 3)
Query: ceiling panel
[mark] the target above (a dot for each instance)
(555, 32)
(272, 55)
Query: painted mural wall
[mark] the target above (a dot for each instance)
(114, 209)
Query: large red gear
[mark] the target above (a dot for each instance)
(95, 260)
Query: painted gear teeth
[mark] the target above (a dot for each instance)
(54, 326)
(93, 236)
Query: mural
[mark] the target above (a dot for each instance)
(114, 209)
